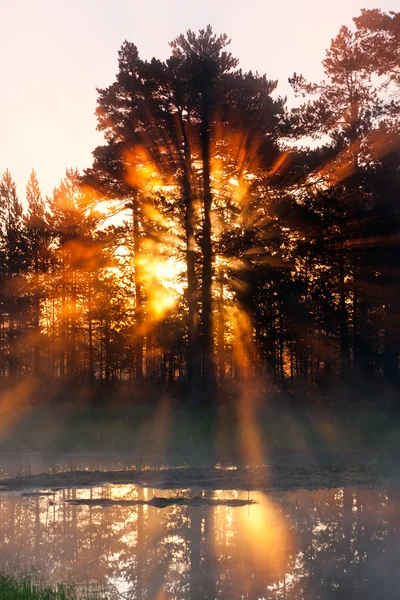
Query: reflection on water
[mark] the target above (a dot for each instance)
(339, 543)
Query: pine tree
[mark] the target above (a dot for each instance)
(38, 236)
(13, 247)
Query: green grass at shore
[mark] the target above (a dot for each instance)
(13, 587)
(25, 589)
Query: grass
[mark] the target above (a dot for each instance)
(13, 587)
(25, 589)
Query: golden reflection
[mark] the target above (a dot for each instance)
(266, 538)
(220, 552)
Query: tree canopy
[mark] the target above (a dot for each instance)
(210, 242)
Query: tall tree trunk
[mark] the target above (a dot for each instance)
(90, 332)
(138, 288)
(151, 355)
(356, 332)
(101, 369)
(62, 326)
(53, 338)
(2, 357)
(12, 350)
(193, 354)
(36, 319)
(209, 379)
(107, 353)
(391, 349)
(364, 344)
(72, 358)
(281, 347)
(12, 329)
(343, 322)
(221, 333)
(291, 357)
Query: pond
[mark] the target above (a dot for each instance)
(331, 543)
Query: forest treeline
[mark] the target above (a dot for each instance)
(211, 242)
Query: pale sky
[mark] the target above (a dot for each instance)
(54, 53)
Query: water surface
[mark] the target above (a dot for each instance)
(338, 543)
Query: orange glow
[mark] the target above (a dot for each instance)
(243, 344)
(338, 169)
(15, 402)
(140, 170)
(279, 163)
(377, 145)
(373, 241)
(158, 274)
(163, 595)
(250, 435)
(266, 539)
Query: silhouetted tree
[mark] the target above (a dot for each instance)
(38, 238)
(13, 259)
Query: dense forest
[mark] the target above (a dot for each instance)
(220, 235)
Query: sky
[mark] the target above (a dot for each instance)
(54, 53)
